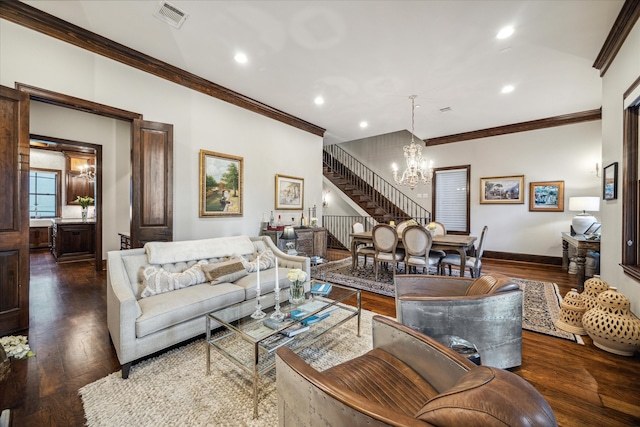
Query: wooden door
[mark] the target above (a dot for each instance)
(152, 183)
(14, 211)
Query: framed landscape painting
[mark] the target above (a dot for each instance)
(221, 182)
(289, 192)
(502, 189)
(610, 182)
(547, 196)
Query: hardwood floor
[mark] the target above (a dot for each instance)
(585, 386)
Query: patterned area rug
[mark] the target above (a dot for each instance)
(172, 389)
(541, 304)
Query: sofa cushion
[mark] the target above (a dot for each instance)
(489, 397)
(225, 271)
(134, 265)
(171, 252)
(267, 261)
(158, 280)
(267, 282)
(164, 310)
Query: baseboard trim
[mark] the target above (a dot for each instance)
(536, 259)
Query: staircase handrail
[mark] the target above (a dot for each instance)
(383, 193)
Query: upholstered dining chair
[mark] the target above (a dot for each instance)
(440, 230)
(385, 242)
(417, 241)
(402, 225)
(474, 263)
(362, 249)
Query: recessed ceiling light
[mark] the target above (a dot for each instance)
(505, 32)
(364, 124)
(507, 89)
(319, 100)
(240, 58)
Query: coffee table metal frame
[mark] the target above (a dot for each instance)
(241, 336)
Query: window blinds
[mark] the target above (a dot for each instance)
(451, 199)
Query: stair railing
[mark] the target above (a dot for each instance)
(381, 192)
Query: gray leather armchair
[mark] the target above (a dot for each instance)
(486, 311)
(408, 379)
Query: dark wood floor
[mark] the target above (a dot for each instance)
(585, 386)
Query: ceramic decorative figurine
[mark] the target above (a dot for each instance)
(572, 309)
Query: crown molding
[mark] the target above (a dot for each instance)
(37, 20)
(567, 119)
(627, 18)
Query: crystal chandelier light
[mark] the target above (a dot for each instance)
(88, 172)
(417, 170)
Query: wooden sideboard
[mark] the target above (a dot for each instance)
(73, 240)
(39, 237)
(582, 245)
(312, 241)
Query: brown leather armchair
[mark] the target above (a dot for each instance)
(408, 379)
(486, 311)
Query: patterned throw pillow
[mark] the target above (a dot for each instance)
(156, 280)
(267, 261)
(225, 271)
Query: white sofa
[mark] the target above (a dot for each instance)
(143, 326)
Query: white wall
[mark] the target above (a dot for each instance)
(624, 70)
(200, 122)
(565, 153)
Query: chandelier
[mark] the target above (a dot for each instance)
(416, 171)
(88, 172)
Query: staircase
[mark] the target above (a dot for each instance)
(379, 198)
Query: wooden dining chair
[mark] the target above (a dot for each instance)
(440, 230)
(362, 249)
(385, 242)
(474, 264)
(417, 241)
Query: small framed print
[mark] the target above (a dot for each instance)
(289, 192)
(610, 182)
(221, 182)
(547, 196)
(502, 189)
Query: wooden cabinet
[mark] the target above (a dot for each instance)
(39, 237)
(73, 241)
(311, 241)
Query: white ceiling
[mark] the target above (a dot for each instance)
(366, 57)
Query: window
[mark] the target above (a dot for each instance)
(630, 173)
(44, 193)
(451, 198)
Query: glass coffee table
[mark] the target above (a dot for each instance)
(251, 345)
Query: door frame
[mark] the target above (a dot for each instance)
(66, 101)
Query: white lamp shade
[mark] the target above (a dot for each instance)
(584, 204)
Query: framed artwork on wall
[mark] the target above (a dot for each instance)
(546, 196)
(289, 192)
(610, 182)
(502, 189)
(221, 181)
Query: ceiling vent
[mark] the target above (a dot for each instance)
(170, 14)
(445, 109)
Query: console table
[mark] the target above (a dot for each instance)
(582, 245)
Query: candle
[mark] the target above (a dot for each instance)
(277, 281)
(258, 273)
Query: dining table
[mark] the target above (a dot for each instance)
(443, 242)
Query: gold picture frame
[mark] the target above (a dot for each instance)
(221, 184)
(546, 196)
(502, 190)
(289, 193)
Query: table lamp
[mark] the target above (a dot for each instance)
(584, 220)
(287, 235)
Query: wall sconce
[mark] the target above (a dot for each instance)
(325, 198)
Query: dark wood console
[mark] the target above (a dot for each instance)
(73, 240)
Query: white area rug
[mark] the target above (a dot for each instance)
(174, 390)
